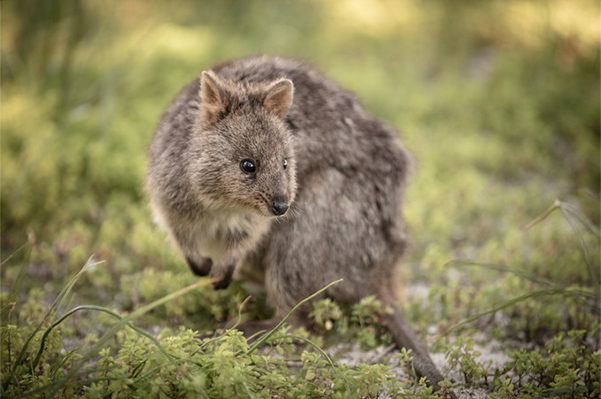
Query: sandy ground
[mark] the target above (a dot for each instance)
(492, 355)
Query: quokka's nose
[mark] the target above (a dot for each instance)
(279, 207)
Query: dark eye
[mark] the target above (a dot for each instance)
(248, 166)
(285, 164)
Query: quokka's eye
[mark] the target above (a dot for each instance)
(285, 164)
(248, 166)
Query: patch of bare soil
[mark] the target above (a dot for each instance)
(492, 356)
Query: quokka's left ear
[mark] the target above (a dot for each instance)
(278, 98)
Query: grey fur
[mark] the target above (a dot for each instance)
(344, 184)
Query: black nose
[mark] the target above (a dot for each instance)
(279, 207)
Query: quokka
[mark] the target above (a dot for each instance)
(266, 171)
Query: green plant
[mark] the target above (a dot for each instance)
(365, 315)
(325, 313)
(461, 356)
(568, 366)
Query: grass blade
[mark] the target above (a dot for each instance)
(543, 215)
(52, 310)
(60, 299)
(25, 247)
(573, 211)
(311, 343)
(123, 321)
(103, 310)
(572, 215)
(579, 224)
(502, 268)
(20, 276)
(568, 292)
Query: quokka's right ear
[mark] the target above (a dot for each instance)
(279, 97)
(213, 97)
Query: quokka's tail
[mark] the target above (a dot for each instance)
(406, 338)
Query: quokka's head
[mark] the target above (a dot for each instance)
(241, 152)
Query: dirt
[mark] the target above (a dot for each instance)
(492, 356)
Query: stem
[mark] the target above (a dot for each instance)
(269, 334)
(308, 341)
(543, 216)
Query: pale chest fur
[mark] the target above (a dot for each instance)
(214, 233)
(220, 232)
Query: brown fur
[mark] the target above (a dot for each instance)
(343, 184)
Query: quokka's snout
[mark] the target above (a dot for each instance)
(279, 206)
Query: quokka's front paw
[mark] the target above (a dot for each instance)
(224, 277)
(201, 268)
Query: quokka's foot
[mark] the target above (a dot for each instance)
(201, 268)
(224, 279)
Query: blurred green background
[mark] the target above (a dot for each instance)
(497, 100)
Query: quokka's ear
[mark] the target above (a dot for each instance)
(279, 97)
(213, 97)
